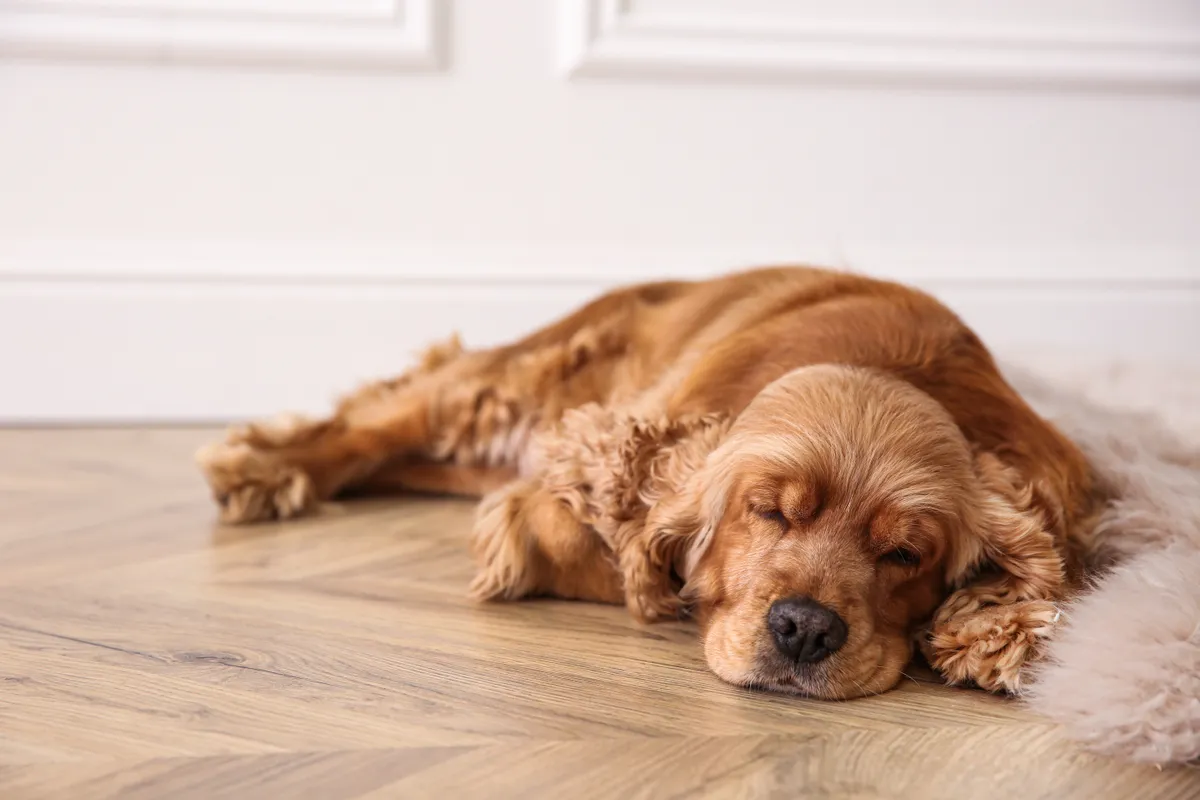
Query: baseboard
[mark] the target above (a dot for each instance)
(144, 350)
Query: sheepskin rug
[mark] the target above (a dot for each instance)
(1122, 671)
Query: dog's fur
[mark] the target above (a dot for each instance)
(716, 446)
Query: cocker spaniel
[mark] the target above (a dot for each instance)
(822, 468)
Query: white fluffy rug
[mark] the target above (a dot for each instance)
(1123, 670)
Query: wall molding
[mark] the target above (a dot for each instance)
(401, 35)
(165, 332)
(154, 352)
(295, 262)
(613, 38)
(193, 331)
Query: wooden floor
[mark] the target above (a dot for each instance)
(147, 652)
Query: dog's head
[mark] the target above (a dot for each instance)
(825, 527)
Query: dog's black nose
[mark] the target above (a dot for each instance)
(804, 630)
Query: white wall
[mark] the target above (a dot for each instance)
(205, 215)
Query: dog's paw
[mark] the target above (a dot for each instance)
(502, 548)
(990, 646)
(252, 485)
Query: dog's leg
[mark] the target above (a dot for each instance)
(469, 409)
(283, 467)
(528, 542)
(576, 528)
(469, 412)
(437, 478)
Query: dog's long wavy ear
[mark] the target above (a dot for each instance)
(1010, 538)
(1007, 573)
(686, 495)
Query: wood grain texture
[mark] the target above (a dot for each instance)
(147, 652)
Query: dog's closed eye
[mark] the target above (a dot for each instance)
(773, 515)
(903, 556)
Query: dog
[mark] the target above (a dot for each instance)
(827, 471)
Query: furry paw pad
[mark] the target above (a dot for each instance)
(990, 646)
(249, 485)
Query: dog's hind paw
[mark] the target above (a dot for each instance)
(251, 485)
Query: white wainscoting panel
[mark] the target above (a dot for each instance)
(798, 40)
(222, 238)
(394, 34)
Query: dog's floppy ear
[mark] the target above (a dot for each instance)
(686, 497)
(1008, 575)
(1006, 530)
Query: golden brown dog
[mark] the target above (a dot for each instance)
(820, 467)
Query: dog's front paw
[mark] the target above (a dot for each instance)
(990, 646)
(251, 485)
(503, 550)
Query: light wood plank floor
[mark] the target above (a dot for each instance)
(147, 652)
